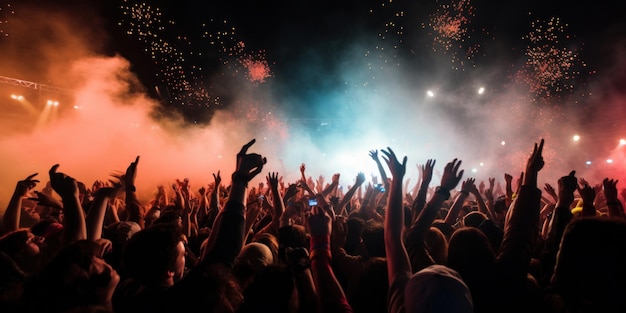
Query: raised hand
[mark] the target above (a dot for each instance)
(43, 199)
(609, 187)
(550, 191)
(534, 165)
(131, 175)
(396, 168)
(248, 164)
(374, 155)
(427, 170)
(24, 186)
(319, 221)
(63, 184)
(468, 185)
(451, 175)
(217, 178)
(567, 185)
(360, 178)
(588, 194)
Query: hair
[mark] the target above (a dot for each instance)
(270, 291)
(590, 270)
(474, 218)
(66, 282)
(12, 242)
(471, 255)
(151, 252)
(374, 239)
(370, 294)
(437, 244)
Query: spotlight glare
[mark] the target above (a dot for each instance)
(503, 142)
(430, 93)
(576, 138)
(588, 162)
(609, 161)
(481, 90)
(622, 142)
(474, 170)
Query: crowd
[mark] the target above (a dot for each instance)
(446, 245)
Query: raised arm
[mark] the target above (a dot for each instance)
(457, 205)
(609, 187)
(331, 296)
(426, 171)
(341, 207)
(227, 235)
(397, 257)
(383, 176)
(95, 216)
(74, 227)
(133, 207)
(521, 229)
(11, 218)
(420, 258)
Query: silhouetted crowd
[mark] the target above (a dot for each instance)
(450, 244)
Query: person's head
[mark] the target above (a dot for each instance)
(474, 218)
(75, 278)
(294, 236)
(270, 241)
(24, 248)
(252, 258)
(470, 252)
(444, 227)
(374, 239)
(437, 288)
(371, 291)
(589, 274)
(272, 290)
(437, 245)
(155, 255)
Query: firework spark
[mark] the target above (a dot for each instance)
(551, 66)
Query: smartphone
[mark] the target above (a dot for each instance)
(312, 202)
(380, 187)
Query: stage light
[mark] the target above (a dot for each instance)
(474, 170)
(576, 138)
(588, 162)
(610, 161)
(481, 90)
(17, 97)
(503, 142)
(622, 142)
(430, 93)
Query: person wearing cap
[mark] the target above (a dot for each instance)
(433, 287)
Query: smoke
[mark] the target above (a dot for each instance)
(346, 109)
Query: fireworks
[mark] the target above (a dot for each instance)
(551, 65)
(186, 63)
(450, 26)
(6, 11)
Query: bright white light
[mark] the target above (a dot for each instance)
(474, 170)
(588, 162)
(76, 107)
(503, 142)
(481, 90)
(430, 93)
(609, 161)
(17, 97)
(482, 164)
(622, 142)
(576, 138)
